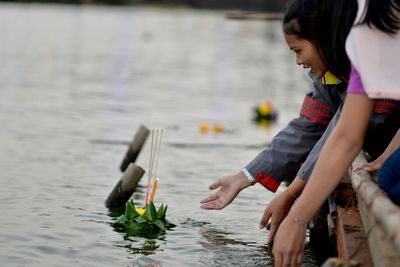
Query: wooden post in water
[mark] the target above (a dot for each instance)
(135, 147)
(125, 187)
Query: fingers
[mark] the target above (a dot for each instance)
(207, 201)
(215, 185)
(213, 205)
(293, 261)
(272, 232)
(208, 206)
(299, 258)
(278, 260)
(287, 260)
(209, 198)
(265, 218)
(213, 202)
(370, 167)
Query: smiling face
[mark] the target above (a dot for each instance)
(306, 54)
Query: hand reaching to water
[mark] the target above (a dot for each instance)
(229, 188)
(288, 248)
(276, 210)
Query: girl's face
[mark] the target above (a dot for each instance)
(306, 54)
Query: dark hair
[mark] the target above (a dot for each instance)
(383, 14)
(326, 23)
(333, 22)
(298, 19)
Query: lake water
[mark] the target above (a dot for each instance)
(76, 82)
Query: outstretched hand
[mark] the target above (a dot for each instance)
(229, 188)
(276, 211)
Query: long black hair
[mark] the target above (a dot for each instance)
(326, 23)
(333, 22)
(382, 14)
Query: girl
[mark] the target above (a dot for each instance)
(376, 20)
(300, 34)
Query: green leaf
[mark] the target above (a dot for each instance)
(160, 211)
(121, 219)
(151, 213)
(160, 224)
(133, 228)
(164, 213)
(130, 211)
(140, 219)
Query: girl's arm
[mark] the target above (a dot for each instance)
(340, 150)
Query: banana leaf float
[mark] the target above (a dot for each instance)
(139, 221)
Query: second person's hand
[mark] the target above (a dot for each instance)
(276, 210)
(288, 248)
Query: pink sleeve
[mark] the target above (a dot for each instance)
(355, 84)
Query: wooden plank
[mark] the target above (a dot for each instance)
(383, 251)
(352, 243)
(386, 213)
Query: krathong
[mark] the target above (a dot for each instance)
(137, 220)
(140, 220)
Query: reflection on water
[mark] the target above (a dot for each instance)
(148, 246)
(75, 84)
(225, 249)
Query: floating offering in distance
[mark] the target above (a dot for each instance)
(204, 128)
(216, 128)
(147, 218)
(265, 113)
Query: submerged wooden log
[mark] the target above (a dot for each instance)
(135, 147)
(125, 187)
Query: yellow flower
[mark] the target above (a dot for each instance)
(140, 211)
(265, 108)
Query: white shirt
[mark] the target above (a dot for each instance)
(376, 57)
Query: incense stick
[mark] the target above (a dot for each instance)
(156, 139)
(158, 154)
(153, 190)
(150, 167)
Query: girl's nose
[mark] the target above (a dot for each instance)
(298, 60)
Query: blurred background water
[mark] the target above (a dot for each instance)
(73, 75)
